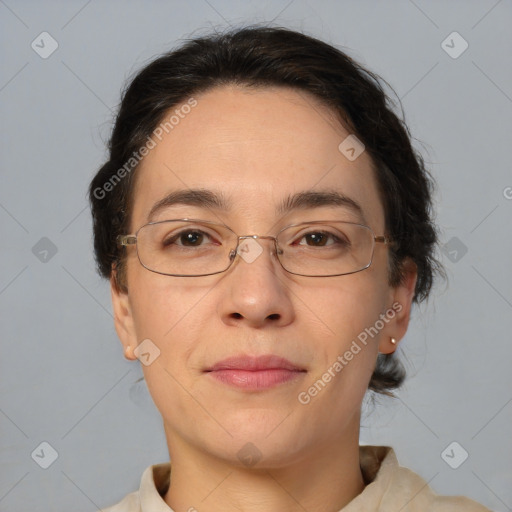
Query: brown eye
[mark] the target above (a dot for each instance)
(190, 238)
(317, 239)
(322, 239)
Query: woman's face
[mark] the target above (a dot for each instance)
(256, 149)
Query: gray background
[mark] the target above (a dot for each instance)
(64, 379)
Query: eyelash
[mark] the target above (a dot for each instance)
(177, 236)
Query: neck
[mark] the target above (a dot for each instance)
(325, 480)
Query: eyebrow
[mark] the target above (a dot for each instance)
(209, 199)
(192, 197)
(318, 199)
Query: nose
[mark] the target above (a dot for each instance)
(255, 292)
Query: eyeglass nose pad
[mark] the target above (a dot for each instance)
(233, 252)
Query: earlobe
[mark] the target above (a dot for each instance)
(128, 353)
(123, 318)
(387, 345)
(402, 297)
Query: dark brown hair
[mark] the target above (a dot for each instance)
(268, 56)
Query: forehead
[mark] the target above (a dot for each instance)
(255, 147)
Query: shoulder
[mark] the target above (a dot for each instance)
(153, 485)
(416, 495)
(393, 487)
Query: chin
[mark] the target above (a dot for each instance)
(260, 452)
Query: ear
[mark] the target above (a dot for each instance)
(123, 318)
(401, 303)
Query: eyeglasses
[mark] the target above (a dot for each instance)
(193, 248)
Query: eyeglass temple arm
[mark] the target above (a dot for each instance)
(125, 240)
(383, 239)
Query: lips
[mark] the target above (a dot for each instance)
(255, 373)
(248, 363)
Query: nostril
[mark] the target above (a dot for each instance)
(236, 315)
(274, 316)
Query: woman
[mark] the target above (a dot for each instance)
(266, 227)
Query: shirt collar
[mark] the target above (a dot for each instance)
(377, 466)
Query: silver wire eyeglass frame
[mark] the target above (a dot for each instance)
(131, 239)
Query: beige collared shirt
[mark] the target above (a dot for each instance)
(391, 488)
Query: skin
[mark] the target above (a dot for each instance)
(256, 147)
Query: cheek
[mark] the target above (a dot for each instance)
(158, 302)
(171, 312)
(153, 309)
(348, 309)
(348, 304)
(345, 354)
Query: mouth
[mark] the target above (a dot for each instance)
(255, 373)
